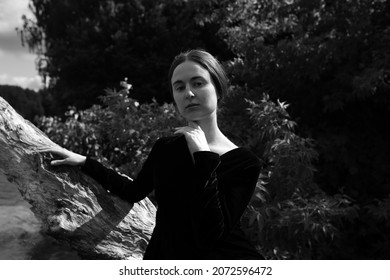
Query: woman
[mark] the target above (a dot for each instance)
(202, 181)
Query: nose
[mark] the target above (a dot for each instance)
(189, 93)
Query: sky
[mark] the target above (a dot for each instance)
(17, 64)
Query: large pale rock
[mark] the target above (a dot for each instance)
(71, 206)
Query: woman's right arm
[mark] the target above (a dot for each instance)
(121, 185)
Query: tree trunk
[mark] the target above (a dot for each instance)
(72, 206)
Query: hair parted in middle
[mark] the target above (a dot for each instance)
(208, 62)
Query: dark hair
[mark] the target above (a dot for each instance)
(207, 61)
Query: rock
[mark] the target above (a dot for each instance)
(71, 206)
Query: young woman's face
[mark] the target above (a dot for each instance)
(194, 93)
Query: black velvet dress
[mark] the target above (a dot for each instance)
(200, 202)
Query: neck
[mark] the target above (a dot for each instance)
(210, 129)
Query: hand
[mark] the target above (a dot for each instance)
(69, 157)
(196, 139)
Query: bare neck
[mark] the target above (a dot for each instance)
(216, 140)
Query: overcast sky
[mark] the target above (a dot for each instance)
(17, 65)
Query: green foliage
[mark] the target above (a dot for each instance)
(133, 128)
(380, 209)
(290, 155)
(377, 219)
(290, 216)
(319, 53)
(78, 132)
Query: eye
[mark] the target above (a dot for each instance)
(179, 88)
(198, 83)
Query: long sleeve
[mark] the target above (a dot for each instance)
(219, 204)
(121, 185)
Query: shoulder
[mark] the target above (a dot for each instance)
(168, 140)
(243, 157)
(169, 143)
(243, 165)
(223, 148)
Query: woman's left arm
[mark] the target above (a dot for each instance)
(216, 208)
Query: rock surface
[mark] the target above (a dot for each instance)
(70, 206)
(21, 236)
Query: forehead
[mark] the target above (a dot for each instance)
(188, 70)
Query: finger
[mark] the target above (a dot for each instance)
(58, 162)
(184, 130)
(44, 150)
(49, 150)
(180, 131)
(183, 127)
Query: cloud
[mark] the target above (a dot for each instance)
(16, 63)
(11, 12)
(34, 83)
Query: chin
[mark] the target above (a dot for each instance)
(197, 118)
(198, 115)
(191, 119)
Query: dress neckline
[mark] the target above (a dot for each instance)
(232, 151)
(226, 154)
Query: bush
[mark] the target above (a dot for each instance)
(290, 217)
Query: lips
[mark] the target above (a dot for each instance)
(192, 105)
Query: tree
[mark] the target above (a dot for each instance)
(86, 46)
